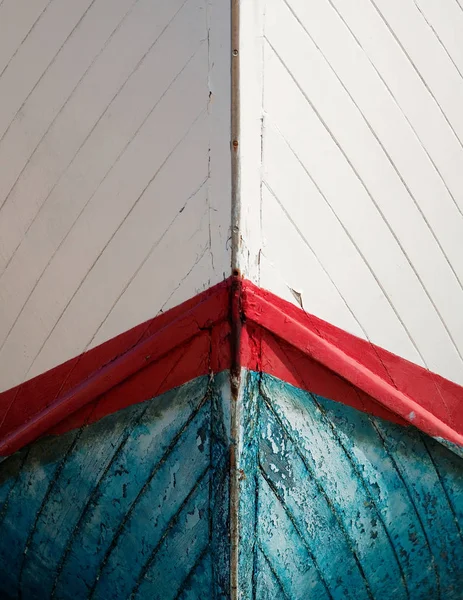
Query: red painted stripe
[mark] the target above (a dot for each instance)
(284, 361)
(232, 325)
(31, 409)
(424, 399)
(180, 365)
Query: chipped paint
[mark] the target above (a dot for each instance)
(342, 504)
(125, 494)
(233, 485)
(328, 502)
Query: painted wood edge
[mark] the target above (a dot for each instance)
(293, 326)
(234, 303)
(283, 361)
(209, 309)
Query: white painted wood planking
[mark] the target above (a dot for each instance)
(250, 89)
(17, 18)
(117, 203)
(446, 21)
(361, 149)
(39, 136)
(350, 187)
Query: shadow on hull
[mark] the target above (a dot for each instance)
(333, 503)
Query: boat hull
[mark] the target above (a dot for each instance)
(331, 502)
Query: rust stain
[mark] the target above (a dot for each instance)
(236, 320)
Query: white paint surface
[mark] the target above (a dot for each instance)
(360, 175)
(115, 169)
(115, 187)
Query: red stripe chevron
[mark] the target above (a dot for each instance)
(234, 324)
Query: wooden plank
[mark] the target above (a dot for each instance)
(361, 219)
(91, 205)
(332, 495)
(103, 510)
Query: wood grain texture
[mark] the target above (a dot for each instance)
(232, 324)
(132, 506)
(331, 502)
(105, 102)
(361, 195)
(185, 342)
(316, 354)
(342, 504)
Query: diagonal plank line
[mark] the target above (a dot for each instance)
(296, 527)
(24, 38)
(273, 571)
(370, 195)
(143, 262)
(152, 474)
(417, 71)
(55, 118)
(407, 490)
(439, 39)
(322, 491)
(47, 68)
(444, 487)
(169, 526)
(47, 495)
(191, 572)
(365, 487)
(93, 495)
(198, 258)
(6, 502)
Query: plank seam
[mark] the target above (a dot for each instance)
(265, 313)
(203, 316)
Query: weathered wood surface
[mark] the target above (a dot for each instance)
(332, 503)
(104, 103)
(135, 505)
(343, 505)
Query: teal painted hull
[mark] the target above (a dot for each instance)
(345, 505)
(331, 503)
(135, 505)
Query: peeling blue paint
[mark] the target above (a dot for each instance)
(139, 497)
(348, 505)
(333, 503)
